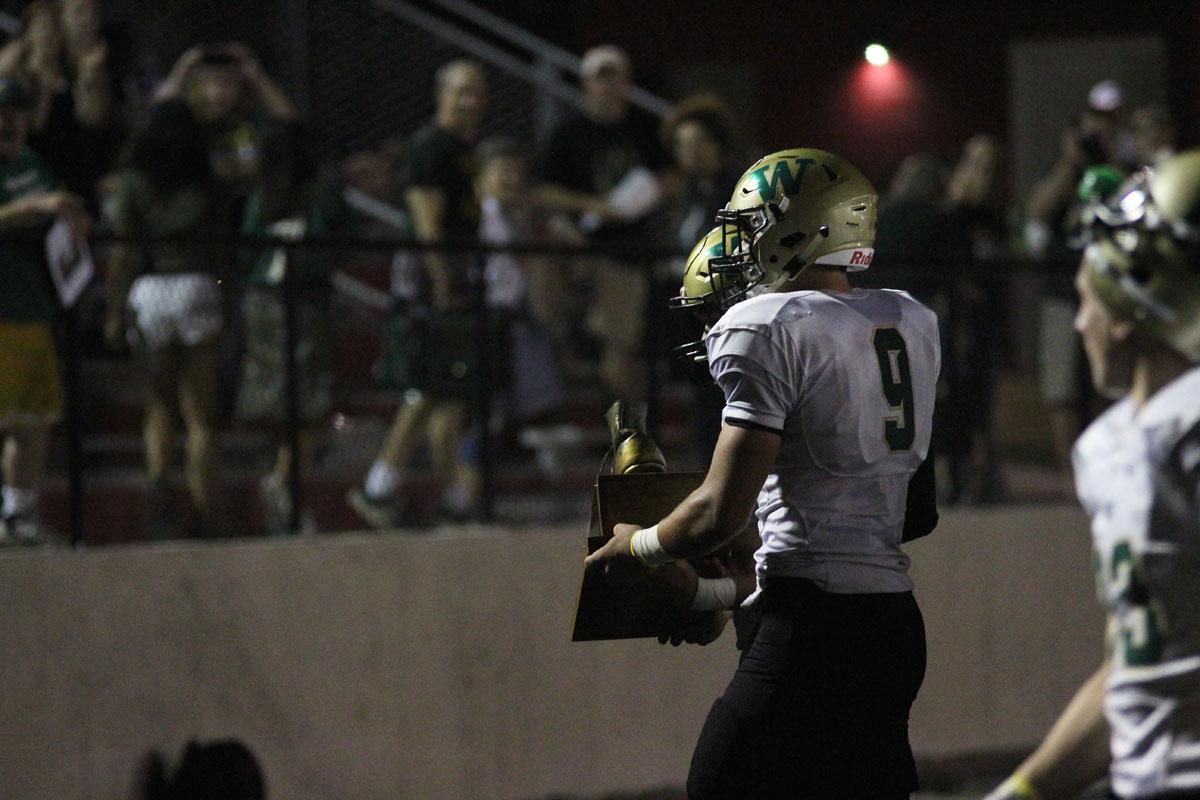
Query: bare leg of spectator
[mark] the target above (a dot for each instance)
(158, 429)
(377, 500)
(158, 433)
(446, 423)
(198, 394)
(405, 433)
(24, 464)
(274, 488)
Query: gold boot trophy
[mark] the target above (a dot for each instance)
(633, 450)
(640, 491)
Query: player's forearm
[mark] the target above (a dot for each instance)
(1075, 753)
(699, 525)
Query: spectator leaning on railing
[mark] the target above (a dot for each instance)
(29, 382)
(601, 168)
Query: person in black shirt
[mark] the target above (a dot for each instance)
(439, 194)
(600, 167)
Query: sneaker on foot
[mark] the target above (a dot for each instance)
(21, 529)
(379, 514)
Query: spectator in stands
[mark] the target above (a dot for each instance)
(439, 179)
(976, 192)
(921, 236)
(1050, 215)
(600, 167)
(30, 200)
(64, 61)
(290, 203)
(238, 105)
(171, 293)
(507, 217)
(976, 197)
(699, 134)
(1153, 135)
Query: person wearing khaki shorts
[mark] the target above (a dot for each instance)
(30, 397)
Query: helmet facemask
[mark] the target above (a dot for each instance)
(1144, 265)
(717, 276)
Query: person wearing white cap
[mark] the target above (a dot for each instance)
(599, 167)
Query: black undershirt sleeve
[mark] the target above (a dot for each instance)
(920, 509)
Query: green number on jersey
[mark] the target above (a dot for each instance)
(894, 373)
(1138, 632)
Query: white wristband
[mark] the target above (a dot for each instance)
(715, 594)
(645, 548)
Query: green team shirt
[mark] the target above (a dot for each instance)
(26, 292)
(322, 212)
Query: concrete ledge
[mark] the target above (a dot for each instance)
(364, 666)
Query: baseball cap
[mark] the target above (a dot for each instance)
(13, 94)
(604, 57)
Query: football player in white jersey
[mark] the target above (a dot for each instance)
(829, 394)
(1137, 473)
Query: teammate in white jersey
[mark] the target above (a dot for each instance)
(829, 396)
(1137, 473)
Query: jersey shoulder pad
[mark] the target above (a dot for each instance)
(761, 312)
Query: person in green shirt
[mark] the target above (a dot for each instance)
(440, 197)
(30, 394)
(290, 203)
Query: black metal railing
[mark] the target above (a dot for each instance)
(927, 281)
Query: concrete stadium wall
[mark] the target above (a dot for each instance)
(440, 667)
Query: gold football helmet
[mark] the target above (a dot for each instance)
(1144, 252)
(796, 208)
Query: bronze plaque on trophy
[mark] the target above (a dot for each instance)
(608, 609)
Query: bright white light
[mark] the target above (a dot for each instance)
(876, 55)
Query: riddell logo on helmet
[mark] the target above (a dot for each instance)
(862, 258)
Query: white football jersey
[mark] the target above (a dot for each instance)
(1138, 478)
(848, 380)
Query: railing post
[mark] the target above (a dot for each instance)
(547, 109)
(74, 423)
(483, 393)
(291, 381)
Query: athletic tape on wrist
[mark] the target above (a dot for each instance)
(645, 548)
(715, 594)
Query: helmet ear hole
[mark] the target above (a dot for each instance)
(793, 239)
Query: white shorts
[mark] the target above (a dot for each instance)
(184, 308)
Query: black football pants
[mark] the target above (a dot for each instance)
(818, 707)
